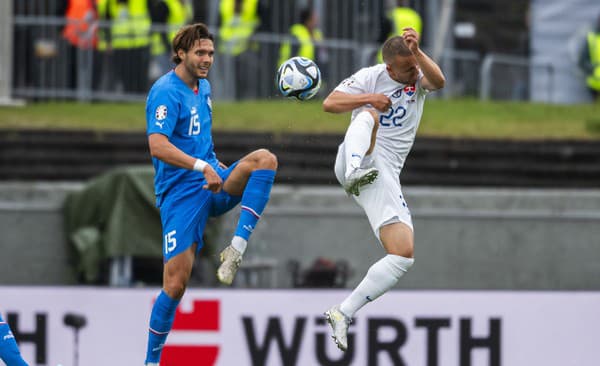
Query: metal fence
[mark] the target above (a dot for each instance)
(47, 67)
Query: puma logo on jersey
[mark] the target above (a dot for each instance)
(159, 124)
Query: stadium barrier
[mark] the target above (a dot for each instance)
(46, 67)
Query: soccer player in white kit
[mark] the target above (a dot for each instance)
(386, 101)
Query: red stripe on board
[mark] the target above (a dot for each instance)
(189, 355)
(204, 316)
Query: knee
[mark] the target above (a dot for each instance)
(372, 116)
(175, 287)
(266, 160)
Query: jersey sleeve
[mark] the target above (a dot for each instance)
(162, 111)
(359, 83)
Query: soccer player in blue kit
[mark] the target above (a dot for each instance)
(9, 350)
(190, 183)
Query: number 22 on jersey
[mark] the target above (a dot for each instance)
(393, 117)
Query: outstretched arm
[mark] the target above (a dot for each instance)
(433, 78)
(338, 102)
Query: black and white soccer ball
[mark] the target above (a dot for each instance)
(298, 78)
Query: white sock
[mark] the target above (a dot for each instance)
(358, 140)
(382, 276)
(239, 244)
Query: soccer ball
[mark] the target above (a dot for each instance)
(298, 78)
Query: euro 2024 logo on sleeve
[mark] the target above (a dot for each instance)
(161, 112)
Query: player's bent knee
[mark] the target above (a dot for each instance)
(266, 160)
(375, 117)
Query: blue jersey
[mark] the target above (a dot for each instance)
(185, 117)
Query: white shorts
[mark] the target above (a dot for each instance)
(382, 200)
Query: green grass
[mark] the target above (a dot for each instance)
(451, 118)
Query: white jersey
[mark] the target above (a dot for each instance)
(398, 126)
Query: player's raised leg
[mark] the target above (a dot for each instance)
(252, 178)
(397, 239)
(9, 350)
(176, 274)
(359, 142)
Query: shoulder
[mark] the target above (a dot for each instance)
(204, 86)
(165, 88)
(370, 73)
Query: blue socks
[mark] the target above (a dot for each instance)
(161, 321)
(254, 199)
(9, 351)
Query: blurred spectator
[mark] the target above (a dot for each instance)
(304, 36)
(238, 21)
(589, 60)
(81, 24)
(171, 15)
(128, 39)
(399, 17)
(102, 74)
(80, 33)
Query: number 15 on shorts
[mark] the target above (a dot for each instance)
(170, 241)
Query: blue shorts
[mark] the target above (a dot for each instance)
(185, 210)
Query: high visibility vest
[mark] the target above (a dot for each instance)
(307, 46)
(130, 24)
(101, 9)
(593, 80)
(405, 17)
(402, 18)
(179, 15)
(236, 29)
(80, 30)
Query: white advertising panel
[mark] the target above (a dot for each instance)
(286, 327)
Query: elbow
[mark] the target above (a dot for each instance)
(157, 148)
(154, 151)
(438, 83)
(328, 106)
(441, 83)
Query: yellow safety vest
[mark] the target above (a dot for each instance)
(236, 29)
(405, 17)
(179, 15)
(101, 11)
(130, 24)
(402, 18)
(307, 47)
(593, 80)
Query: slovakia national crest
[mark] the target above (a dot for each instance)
(410, 90)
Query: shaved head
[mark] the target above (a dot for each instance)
(393, 47)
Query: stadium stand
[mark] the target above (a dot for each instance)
(59, 155)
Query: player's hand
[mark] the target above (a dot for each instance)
(411, 38)
(214, 183)
(381, 102)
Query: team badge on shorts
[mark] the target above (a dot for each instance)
(161, 112)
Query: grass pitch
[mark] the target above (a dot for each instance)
(443, 118)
